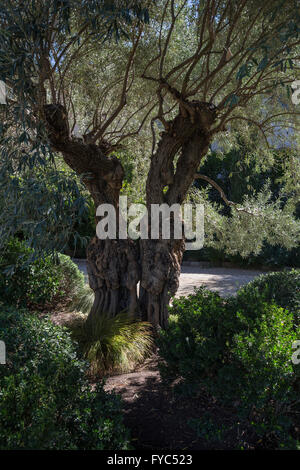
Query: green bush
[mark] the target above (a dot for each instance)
(77, 293)
(45, 399)
(33, 283)
(260, 377)
(260, 358)
(240, 350)
(282, 288)
(272, 256)
(193, 343)
(25, 280)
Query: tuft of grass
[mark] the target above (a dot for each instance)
(115, 344)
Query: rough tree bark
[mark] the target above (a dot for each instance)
(116, 266)
(113, 265)
(161, 260)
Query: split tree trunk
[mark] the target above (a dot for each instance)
(116, 266)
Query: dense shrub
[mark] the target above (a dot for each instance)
(77, 294)
(259, 359)
(282, 287)
(272, 256)
(34, 282)
(25, 280)
(240, 350)
(45, 399)
(193, 344)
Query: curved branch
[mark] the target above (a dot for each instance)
(222, 194)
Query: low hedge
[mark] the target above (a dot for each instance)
(45, 399)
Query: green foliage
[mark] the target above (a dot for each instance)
(47, 206)
(199, 328)
(77, 294)
(240, 350)
(34, 282)
(84, 229)
(276, 256)
(244, 170)
(45, 398)
(25, 280)
(113, 345)
(260, 359)
(259, 220)
(282, 288)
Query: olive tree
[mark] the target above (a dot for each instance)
(86, 78)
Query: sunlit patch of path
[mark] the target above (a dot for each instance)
(226, 281)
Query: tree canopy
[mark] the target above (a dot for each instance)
(162, 81)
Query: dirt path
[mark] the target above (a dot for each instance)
(223, 280)
(156, 418)
(161, 419)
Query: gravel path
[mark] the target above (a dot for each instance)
(224, 280)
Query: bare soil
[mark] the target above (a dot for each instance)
(158, 417)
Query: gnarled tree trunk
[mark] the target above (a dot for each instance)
(116, 266)
(113, 265)
(113, 271)
(161, 259)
